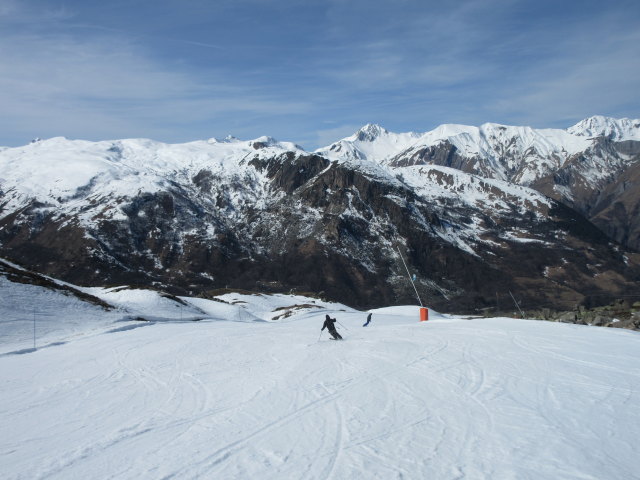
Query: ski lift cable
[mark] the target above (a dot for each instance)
(409, 275)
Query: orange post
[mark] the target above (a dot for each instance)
(424, 314)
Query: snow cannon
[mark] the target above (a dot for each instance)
(424, 314)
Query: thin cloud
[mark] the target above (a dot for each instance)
(57, 85)
(252, 67)
(583, 79)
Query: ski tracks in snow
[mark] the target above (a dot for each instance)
(162, 399)
(486, 399)
(326, 414)
(460, 370)
(605, 391)
(312, 407)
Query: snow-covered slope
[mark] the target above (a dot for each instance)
(65, 174)
(518, 154)
(472, 196)
(599, 126)
(371, 142)
(57, 171)
(227, 397)
(89, 181)
(36, 311)
(573, 166)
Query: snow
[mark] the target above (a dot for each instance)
(57, 170)
(488, 141)
(87, 182)
(147, 304)
(439, 185)
(427, 180)
(504, 149)
(617, 129)
(245, 386)
(57, 317)
(66, 174)
(241, 394)
(371, 142)
(517, 154)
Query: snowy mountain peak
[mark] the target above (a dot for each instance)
(370, 132)
(520, 154)
(270, 142)
(600, 126)
(227, 139)
(371, 142)
(263, 141)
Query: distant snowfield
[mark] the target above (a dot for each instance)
(252, 391)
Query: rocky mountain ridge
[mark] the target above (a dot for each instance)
(589, 166)
(268, 216)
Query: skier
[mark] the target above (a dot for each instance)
(329, 324)
(368, 320)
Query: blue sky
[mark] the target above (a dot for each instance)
(309, 71)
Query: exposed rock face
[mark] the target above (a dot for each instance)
(590, 167)
(610, 199)
(619, 314)
(281, 220)
(617, 210)
(267, 216)
(443, 154)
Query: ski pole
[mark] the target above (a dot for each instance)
(342, 325)
(320, 336)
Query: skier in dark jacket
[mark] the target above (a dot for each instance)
(368, 320)
(330, 324)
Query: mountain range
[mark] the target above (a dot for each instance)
(482, 216)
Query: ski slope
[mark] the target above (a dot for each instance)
(249, 392)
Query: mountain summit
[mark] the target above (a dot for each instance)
(614, 129)
(371, 142)
(370, 132)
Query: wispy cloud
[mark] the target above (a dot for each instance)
(583, 78)
(104, 86)
(22, 12)
(504, 61)
(290, 68)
